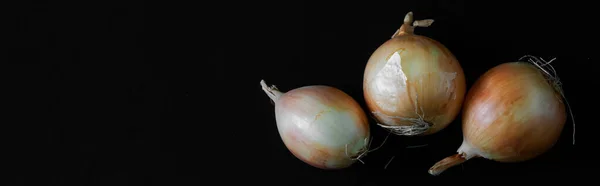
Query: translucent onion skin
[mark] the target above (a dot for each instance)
(511, 114)
(413, 80)
(321, 125)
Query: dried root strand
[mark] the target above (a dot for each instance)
(547, 69)
(365, 150)
(416, 146)
(389, 161)
(552, 77)
(410, 130)
(408, 147)
(418, 126)
(361, 153)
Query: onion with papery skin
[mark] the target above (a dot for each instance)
(321, 125)
(413, 85)
(514, 112)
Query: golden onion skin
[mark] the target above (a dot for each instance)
(512, 113)
(412, 77)
(321, 125)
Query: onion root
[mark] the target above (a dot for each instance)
(552, 77)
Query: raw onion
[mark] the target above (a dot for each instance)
(413, 85)
(321, 125)
(514, 112)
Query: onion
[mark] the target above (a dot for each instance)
(514, 112)
(321, 125)
(413, 85)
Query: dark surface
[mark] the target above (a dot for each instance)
(134, 93)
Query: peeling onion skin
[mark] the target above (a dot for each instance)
(511, 114)
(321, 125)
(411, 77)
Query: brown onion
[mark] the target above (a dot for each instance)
(514, 112)
(321, 125)
(413, 85)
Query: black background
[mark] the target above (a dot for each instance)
(138, 93)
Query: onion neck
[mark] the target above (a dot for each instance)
(272, 91)
(409, 25)
(446, 163)
(465, 152)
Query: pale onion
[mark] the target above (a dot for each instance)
(321, 125)
(514, 112)
(413, 85)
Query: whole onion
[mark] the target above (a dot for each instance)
(321, 125)
(413, 85)
(514, 112)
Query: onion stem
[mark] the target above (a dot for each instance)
(272, 91)
(409, 25)
(446, 163)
